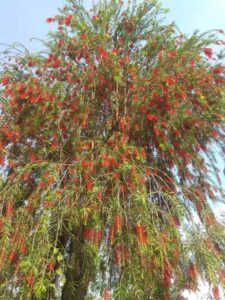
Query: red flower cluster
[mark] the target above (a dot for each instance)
(115, 228)
(167, 273)
(67, 20)
(95, 18)
(51, 266)
(141, 233)
(105, 294)
(192, 271)
(102, 53)
(49, 20)
(216, 293)
(89, 185)
(208, 52)
(218, 70)
(93, 235)
(9, 209)
(5, 80)
(151, 117)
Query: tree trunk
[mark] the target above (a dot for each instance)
(76, 285)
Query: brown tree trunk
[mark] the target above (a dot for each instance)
(76, 285)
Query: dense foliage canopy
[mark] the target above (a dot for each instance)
(108, 146)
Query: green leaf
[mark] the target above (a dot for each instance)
(59, 257)
(59, 271)
(117, 78)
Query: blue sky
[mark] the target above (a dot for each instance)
(197, 14)
(21, 20)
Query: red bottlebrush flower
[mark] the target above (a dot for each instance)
(116, 175)
(141, 233)
(198, 147)
(118, 223)
(177, 133)
(216, 293)
(1, 225)
(49, 20)
(2, 159)
(83, 36)
(98, 235)
(105, 294)
(170, 79)
(187, 286)
(30, 280)
(47, 204)
(102, 52)
(166, 278)
(124, 60)
(199, 206)
(166, 296)
(87, 164)
(93, 235)
(23, 249)
(157, 131)
(67, 20)
(122, 124)
(13, 256)
(10, 134)
(100, 195)
(114, 51)
(88, 233)
(176, 255)
(16, 267)
(148, 172)
(176, 220)
(173, 54)
(106, 163)
(164, 124)
(192, 271)
(167, 273)
(222, 275)
(89, 185)
(11, 164)
(30, 64)
(192, 62)
(221, 80)
(9, 209)
(218, 70)
(208, 52)
(111, 236)
(210, 220)
(215, 134)
(32, 157)
(5, 80)
(95, 18)
(155, 72)
(51, 266)
(142, 109)
(22, 245)
(122, 189)
(152, 117)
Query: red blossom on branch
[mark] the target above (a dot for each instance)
(208, 52)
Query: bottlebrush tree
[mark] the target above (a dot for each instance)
(108, 143)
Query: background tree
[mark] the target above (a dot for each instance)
(108, 144)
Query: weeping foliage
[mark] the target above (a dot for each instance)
(108, 147)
